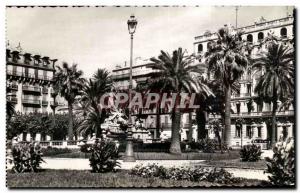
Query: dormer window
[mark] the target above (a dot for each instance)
(7, 54)
(46, 61)
(15, 56)
(27, 58)
(37, 59)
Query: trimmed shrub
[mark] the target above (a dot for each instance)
(104, 156)
(51, 151)
(282, 165)
(26, 158)
(86, 148)
(250, 153)
(217, 175)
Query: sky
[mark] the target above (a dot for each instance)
(98, 37)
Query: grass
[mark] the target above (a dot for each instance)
(86, 179)
(236, 163)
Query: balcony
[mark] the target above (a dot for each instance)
(31, 102)
(35, 89)
(45, 103)
(121, 76)
(261, 114)
(12, 86)
(28, 75)
(13, 99)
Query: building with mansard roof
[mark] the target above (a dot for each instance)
(256, 115)
(29, 83)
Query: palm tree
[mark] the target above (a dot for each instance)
(69, 82)
(277, 82)
(227, 58)
(178, 75)
(93, 90)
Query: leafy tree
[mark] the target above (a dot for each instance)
(226, 59)
(277, 81)
(69, 82)
(178, 75)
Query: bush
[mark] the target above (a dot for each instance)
(282, 165)
(26, 158)
(104, 156)
(51, 151)
(217, 175)
(250, 153)
(86, 148)
(206, 145)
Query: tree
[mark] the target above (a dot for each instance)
(277, 81)
(227, 58)
(178, 75)
(93, 90)
(69, 82)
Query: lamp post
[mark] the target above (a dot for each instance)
(129, 155)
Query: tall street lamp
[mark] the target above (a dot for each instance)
(129, 155)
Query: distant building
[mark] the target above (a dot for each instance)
(240, 106)
(140, 74)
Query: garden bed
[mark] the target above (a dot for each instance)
(161, 156)
(86, 179)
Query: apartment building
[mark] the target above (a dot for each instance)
(256, 115)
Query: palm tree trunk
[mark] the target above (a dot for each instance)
(158, 122)
(70, 128)
(190, 136)
(227, 132)
(274, 128)
(175, 139)
(201, 117)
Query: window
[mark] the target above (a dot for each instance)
(248, 88)
(45, 75)
(15, 58)
(26, 71)
(238, 108)
(268, 106)
(260, 36)
(260, 107)
(258, 131)
(14, 70)
(250, 38)
(283, 32)
(200, 48)
(24, 136)
(249, 131)
(238, 131)
(27, 59)
(36, 73)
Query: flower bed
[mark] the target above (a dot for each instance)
(215, 175)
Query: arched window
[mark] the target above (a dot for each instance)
(249, 38)
(260, 36)
(283, 32)
(200, 48)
